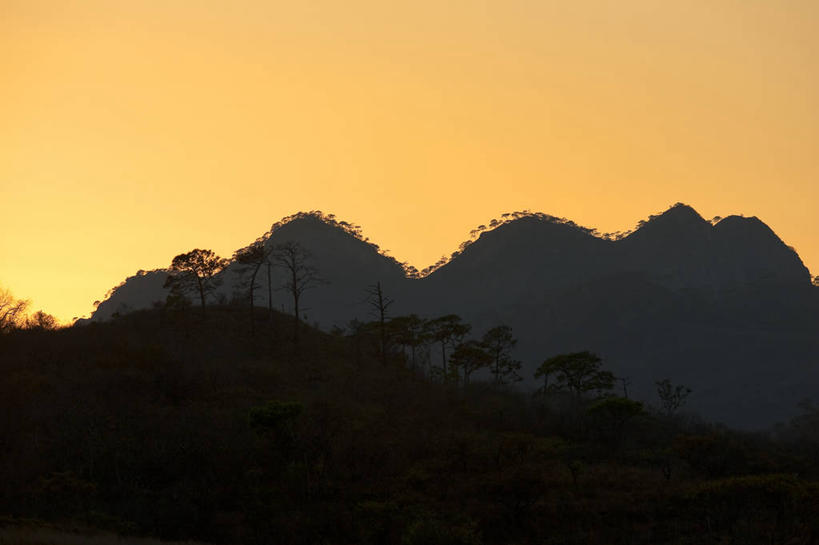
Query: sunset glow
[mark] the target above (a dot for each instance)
(133, 131)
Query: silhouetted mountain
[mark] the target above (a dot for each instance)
(523, 260)
(749, 252)
(681, 250)
(137, 292)
(727, 309)
(345, 263)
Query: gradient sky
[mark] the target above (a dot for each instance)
(131, 131)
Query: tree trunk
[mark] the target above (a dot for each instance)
(295, 287)
(252, 286)
(381, 310)
(201, 293)
(296, 320)
(269, 292)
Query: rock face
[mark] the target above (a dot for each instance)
(727, 309)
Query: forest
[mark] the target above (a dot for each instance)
(229, 424)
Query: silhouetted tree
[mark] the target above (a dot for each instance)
(804, 430)
(671, 397)
(12, 311)
(380, 303)
(577, 373)
(470, 356)
(252, 258)
(626, 382)
(195, 272)
(41, 321)
(611, 415)
(408, 331)
(300, 274)
(447, 330)
(498, 341)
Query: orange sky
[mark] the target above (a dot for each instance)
(131, 131)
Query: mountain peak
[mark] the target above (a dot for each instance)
(330, 236)
(314, 218)
(680, 222)
(315, 223)
(679, 213)
(731, 223)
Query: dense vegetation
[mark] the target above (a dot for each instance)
(175, 424)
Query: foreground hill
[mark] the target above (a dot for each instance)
(726, 308)
(167, 424)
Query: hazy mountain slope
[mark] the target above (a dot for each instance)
(345, 264)
(748, 367)
(681, 250)
(137, 292)
(523, 260)
(749, 252)
(727, 309)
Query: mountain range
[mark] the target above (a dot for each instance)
(721, 306)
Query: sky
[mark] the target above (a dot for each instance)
(132, 131)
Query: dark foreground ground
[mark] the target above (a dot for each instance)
(170, 425)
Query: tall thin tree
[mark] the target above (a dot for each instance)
(499, 341)
(447, 330)
(300, 276)
(380, 303)
(252, 258)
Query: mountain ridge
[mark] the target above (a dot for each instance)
(562, 237)
(724, 307)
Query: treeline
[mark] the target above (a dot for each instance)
(15, 315)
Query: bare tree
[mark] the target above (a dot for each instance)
(626, 382)
(671, 397)
(380, 303)
(301, 275)
(42, 321)
(195, 272)
(12, 311)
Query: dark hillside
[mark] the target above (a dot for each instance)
(525, 259)
(753, 254)
(167, 424)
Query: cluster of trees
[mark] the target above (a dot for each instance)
(415, 340)
(14, 315)
(412, 337)
(195, 273)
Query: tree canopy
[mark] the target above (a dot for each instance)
(195, 272)
(577, 373)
